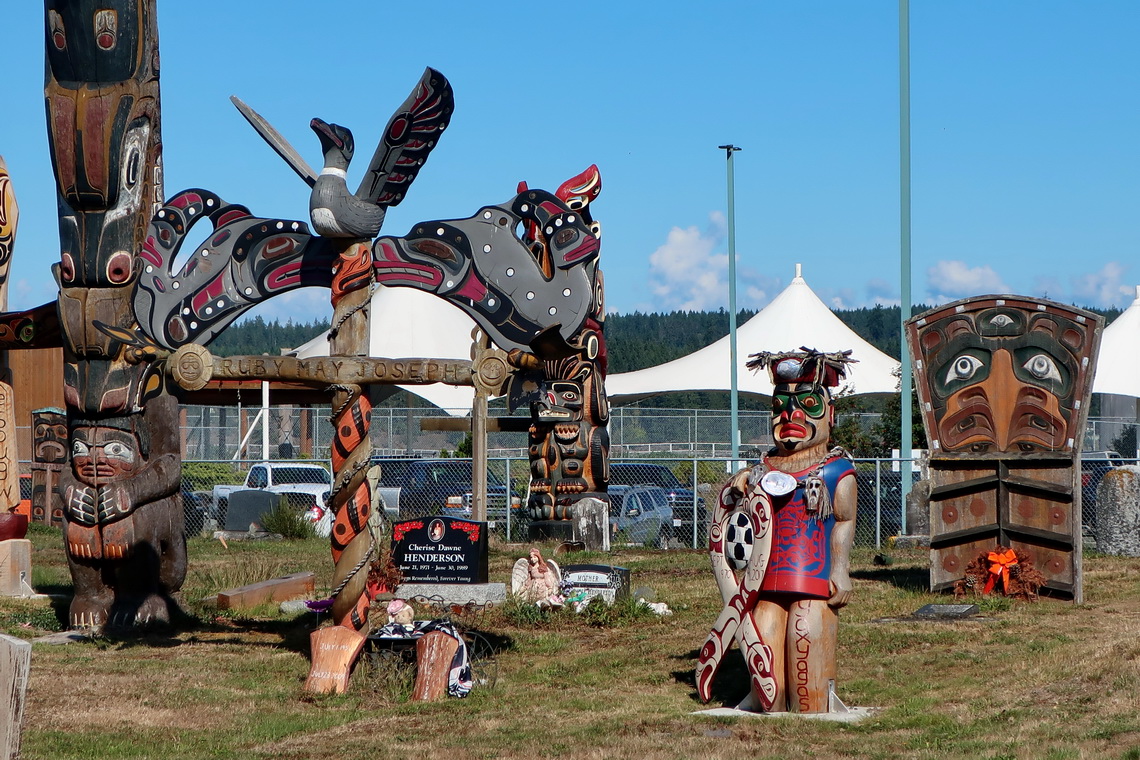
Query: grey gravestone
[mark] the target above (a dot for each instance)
(946, 611)
(246, 508)
(1118, 512)
(590, 526)
(918, 509)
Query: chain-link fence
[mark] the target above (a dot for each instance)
(655, 501)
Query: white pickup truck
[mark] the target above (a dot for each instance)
(304, 485)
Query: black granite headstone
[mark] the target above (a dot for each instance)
(440, 550)
(947, 611)
(611, 583)
(246, 508)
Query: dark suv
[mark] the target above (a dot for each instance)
(419, 487)
(680, 497)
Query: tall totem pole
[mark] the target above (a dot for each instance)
(122, 519)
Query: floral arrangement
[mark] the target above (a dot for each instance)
(1002, 570)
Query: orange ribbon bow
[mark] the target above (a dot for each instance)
(1001, 563)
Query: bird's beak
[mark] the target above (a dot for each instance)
(322, 128)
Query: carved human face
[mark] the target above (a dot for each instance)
(49, 439)
(801, 416)
(103, 455)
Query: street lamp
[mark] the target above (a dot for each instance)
(734, 393)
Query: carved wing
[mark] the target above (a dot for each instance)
(411, 134)
(245, 260)
(481, 265)
(519, 575)
(556, 570)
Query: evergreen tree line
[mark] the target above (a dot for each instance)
(636, 341)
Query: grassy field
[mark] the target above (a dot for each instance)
(1042, 680)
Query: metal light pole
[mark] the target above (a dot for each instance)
(734, 393)
(906, 381)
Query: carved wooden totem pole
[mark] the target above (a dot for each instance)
(786, 526)
(49, 459)
(122, 516)
(569, 433)
(1004, 383)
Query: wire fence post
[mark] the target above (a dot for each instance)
(878, 504)
(696, 515)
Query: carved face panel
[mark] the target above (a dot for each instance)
(49, 437)
(801, 416)
(102, 455)
(1003, 375)
(562, 402)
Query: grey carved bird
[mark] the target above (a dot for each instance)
(335, 211)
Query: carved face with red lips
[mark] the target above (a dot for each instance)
(102, 455)
(802, 416)
(1003, 375)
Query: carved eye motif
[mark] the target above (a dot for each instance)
(79, 449)
(962, 368)
(55, 28)
(106, 28)
(1001, 320)
(117, 450)
(1042, 367)
(119, 268)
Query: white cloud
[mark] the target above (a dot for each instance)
(685, 273)
(951, 280)
(690, 272)
(1104, 288)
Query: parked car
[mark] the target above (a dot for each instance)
(418, 487)
(681, 498)
(640, 515)
(303, 485)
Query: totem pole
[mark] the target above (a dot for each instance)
(569, 434)
(787, 525)
(122, 516)
(1004, 383)
(9, 459)
(49, 459)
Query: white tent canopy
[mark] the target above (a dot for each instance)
(794, 318)
(405, 322)
(1118, 365)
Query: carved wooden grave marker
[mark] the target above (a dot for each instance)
(1004, 383)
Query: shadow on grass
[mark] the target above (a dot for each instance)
(729, 686)
(906, 578)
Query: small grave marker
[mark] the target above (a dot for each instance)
(334, 650)
(610, 583)
(946, 611)
(274, 590)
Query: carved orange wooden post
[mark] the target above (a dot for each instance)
(353, 545)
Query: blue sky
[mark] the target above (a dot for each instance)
(1025, 124)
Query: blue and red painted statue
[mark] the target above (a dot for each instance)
(787, 524)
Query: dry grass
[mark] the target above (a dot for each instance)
(1045, 680)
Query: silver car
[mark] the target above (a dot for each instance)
(640, 515)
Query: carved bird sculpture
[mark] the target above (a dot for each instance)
(335, 211)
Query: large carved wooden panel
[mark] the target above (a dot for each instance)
(1004, 383)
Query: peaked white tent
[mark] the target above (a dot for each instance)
(405, 322)
(794, 318)
(1118, 365)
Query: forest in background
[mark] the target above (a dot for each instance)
(634, 341)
